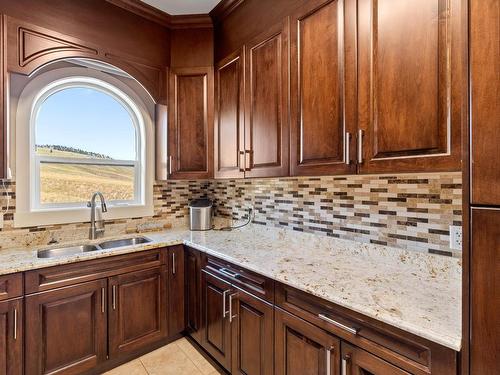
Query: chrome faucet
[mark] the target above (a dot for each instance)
(96, 231)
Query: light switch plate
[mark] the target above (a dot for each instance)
(455, 237)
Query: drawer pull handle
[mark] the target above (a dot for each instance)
(231, 316)
(352, 330)
(15, 324)
(360, 146)
(103, 299)
(329, 360)
(344, 364)
(226, 272)
(224, 294)
(114, 297)
(173, 263)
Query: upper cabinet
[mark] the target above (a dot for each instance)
(190, 123)
(323, 87)
(412, 95)
(3, 112)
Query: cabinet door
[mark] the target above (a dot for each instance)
(412, 84)
(485, 291)
(11, 337)
(193, 293)
(66, 329)
(323, 87)
(266, 120)
(190, 134)
(3, 112)
(229, 152)
(356, 361)
(485, 101)
(176, 289)
(252, 325)
(304, 349)
(217, 328)
(137, 309)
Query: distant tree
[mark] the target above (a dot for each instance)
(75, 150)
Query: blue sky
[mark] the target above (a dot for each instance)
(89, 120)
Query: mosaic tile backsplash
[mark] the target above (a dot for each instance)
(411, 211)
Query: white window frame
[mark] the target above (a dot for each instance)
(29, 210)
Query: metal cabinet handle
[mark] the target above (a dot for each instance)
(170, 164)
(103, 299)
(224, 294)
(242, 163)
(173, 263)
(329, 360)
(231, 316)
(248, 166)
(15, 324)
(352, 330)
(360, 146)
(226, 272)
(348, 148)
(345, 359)
(114, 297)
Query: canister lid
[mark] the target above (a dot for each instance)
(199, 203)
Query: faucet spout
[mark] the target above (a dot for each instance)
(95, 230)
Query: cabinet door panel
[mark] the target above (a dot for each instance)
(323, 80)
(66, 329)
(485, 291)
(190, 122)
(137, 309)
(266, 125)
(193, 293)
(409, 108)
(229, 124)
(11, 337)
(304, 349)
(356, 361)
(176, 291)
(217, 329)
(252, 336)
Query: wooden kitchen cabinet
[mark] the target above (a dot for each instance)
(193, 293)
(190, 123)
(176, 291)
(215, 318)
(323, 87)
(137, 306)
(302, 348)
(66, 329)
(356, 361)
(412, 87)
(11, 337)
(252, 327)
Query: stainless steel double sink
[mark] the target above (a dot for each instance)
(73, 250)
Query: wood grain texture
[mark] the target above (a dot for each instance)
(176, 290)
(3, 98)
(11, 286)
(191, 48)
(485, 291)
(66, 330)
(193, 294)
(359, 362)
(485, 101)
(11, 348)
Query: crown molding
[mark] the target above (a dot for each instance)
(146, 11)
(223, 9)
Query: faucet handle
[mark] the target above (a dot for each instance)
(104, 208)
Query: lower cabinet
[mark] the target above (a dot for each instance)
(192, 261)
(304, 349)
(11, 337)
(356, 361)
(176, 291)
(66, 329)
(137, 310)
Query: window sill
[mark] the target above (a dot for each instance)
(78, 215)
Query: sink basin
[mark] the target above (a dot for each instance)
(64, 251)
(124, 242)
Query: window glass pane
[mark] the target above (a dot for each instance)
(75, 183)
(84, 122)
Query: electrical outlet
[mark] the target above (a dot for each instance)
(455, 237)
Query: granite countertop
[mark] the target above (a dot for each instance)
(416, 292)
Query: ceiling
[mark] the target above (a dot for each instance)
(176, 7)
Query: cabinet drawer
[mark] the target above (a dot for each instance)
(11, 286)
(249, 281)
(69, 274)
(403, 349)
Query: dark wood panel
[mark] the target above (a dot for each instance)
(322, 69)
(485, 291)
(11, 337)
(191, 122)
(3, 99)
(359, 362)
(229, 117)
(217, 328)
(137, 306)
(66, 329)
(266, 117)
(485, 101)
(193, 293)
(176, 291)
(252, 335)
(301, 348)
(411, 84)
(69, 274)
(192, 48)
(11, 286)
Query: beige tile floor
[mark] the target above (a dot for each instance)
(176, 358)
